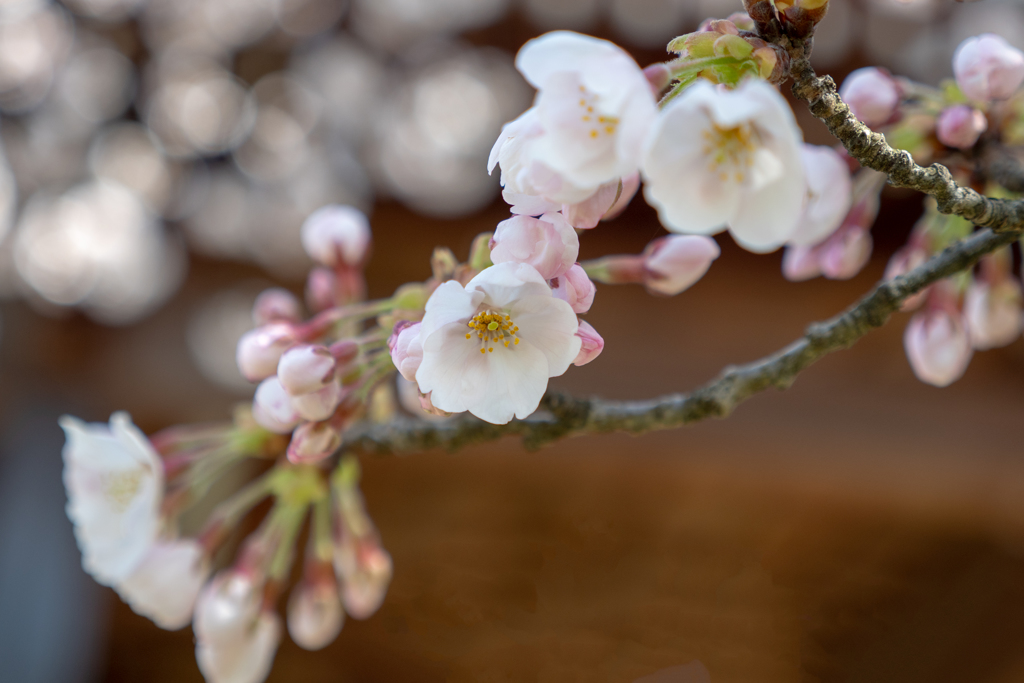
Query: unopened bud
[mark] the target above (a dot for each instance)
(845, 253)
(742, 21)
(406, 349)
(313, 442)
(548, 243)
(227, 606)
(315, 616)
(988, 68)
(801, 16)
(246, 658)
(306, 368)
(675, 262)
(276, 304)
(480, 251)
(320, 404)
(411, 296)
(960, 126)
(938, 346)
(902, 262)
(659, 76)
(344, 351)
(365, 570)
(272, 407)
(260, 350)
(592, 344)
(575, 288)
(872, 95)
(336, 235)
(993, 313)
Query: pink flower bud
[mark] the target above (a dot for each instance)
(659, 76)
(592, 345)
(260, 350)
(993, 313)
(272, 407)
(315, 616)
(902, 262)
(872, 95)
(227, 606)
(800, 263)
(335, 234)
(306, 368)
(321, 286)
(365, 571)
(845, 253)
(318, 405)
(246, 658)
(548, 243)
(988, 68)
(575, 288)
(960, 126)
(938, 346)
(276, 304)
(313, 442)
(675, 262)
(406, 349)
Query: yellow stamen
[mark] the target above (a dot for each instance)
(493, 329)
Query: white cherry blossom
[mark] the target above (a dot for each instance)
(588, 122)
(114, 480)
(717, 158)
(166, 583)
(490, 347)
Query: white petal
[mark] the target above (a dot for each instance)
(550, 325)
(449, 303)
(453, 369)
(505, 283)
(515, 380)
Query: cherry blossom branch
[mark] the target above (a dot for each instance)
(569, 416)
(872, 151)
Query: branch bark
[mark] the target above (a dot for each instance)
(563, 416)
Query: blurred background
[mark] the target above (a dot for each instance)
(158, 159)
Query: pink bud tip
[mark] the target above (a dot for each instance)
(872, 94)
(988, 68)
(315, 615)
(276, 304)
(575, 288)
(260, 350)
(592, 346)
(272, 407)
(659, 76)
(406, 348)
(548, 243)
(675, 262)
(960, 126)
(335, 235)
(313, 442)
(306, 368)
(938, 346)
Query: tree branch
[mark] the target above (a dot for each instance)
(568, 416)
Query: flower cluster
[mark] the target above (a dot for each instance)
(125, 498)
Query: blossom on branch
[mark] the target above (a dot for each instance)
(587, 126)
(548, 243)
(718, 159)
(490, 347)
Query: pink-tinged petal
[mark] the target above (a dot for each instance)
(528, 204)
(993, 313)
(548, 243)
(672, 264)
(591, 344)
(630, 184)
(336, 234)
(829, 194)
(800, 263)
(588, 213)
(575, 288)
(988, 68)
